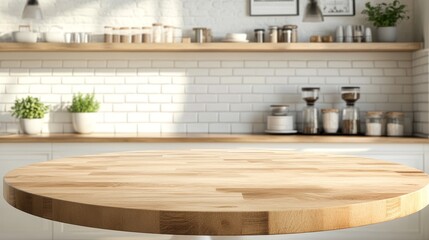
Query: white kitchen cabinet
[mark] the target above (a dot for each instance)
(409, 228)
(14, 224)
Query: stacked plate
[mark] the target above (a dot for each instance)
(236, 38)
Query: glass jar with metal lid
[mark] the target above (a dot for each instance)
(290, 33)
(375, 124)
(273, 34)
(395, 124)
(157, 35)
(260, 35)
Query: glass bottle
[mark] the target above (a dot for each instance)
(310, 114)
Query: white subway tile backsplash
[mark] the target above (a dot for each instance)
(31, 64)
(148, 89)
(139, 64)
(209, 64)
(206, 98)
(163, 64)
(229, 98)
(232, 64)
(75, 64)
(219, 93)
(171, 89)
(219, 128)
(117, 64)
(29, 80)
(197, 128)
(159, 98)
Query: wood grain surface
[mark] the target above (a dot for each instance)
(204, 138)
(212, 47)
(218, 192)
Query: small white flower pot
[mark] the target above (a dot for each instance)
(387, 34)
(31, 126)
(84, 123)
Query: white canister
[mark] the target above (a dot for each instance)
(280, 123)
(331, 120)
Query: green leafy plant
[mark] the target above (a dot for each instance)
(84, 104)
(29, 108)
(385, 14)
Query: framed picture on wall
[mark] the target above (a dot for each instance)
(274, 7)
(337, 7)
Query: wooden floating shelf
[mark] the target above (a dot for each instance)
(211, 47)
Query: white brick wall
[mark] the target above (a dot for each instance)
(421, 92)
(221, 16)
(180, 92)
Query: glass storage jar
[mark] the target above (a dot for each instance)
(108, 34)
(157, 36)
(274, 34)
(125, 35)
(331, 120)
(351, 122)
(169, 34)
(147, 35)
(395, 124)
(375, 124)
(136, 33)
(116, 35)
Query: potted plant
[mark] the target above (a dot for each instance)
(83, 110)
(385, 17)
(30, 112)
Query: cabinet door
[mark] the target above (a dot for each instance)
(15, 224)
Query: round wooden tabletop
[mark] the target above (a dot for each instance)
(218, 192)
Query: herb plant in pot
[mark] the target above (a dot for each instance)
(30, 112)
(385, 17)
(84, 113)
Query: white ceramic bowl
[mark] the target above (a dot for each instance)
(55, 37)
(25, 37)
(236, 36)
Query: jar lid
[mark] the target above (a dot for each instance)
(330, 110)
(124, 28)
(291, 26)
(199, 28)
(374, 114)
(395, 114)
(274, 27)
(135, 28)
(168, 26)
(259, 30)
(157, 24)
(349, 88)
(310, 88)
(146, 27)
(279, 106)
(108, 27)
